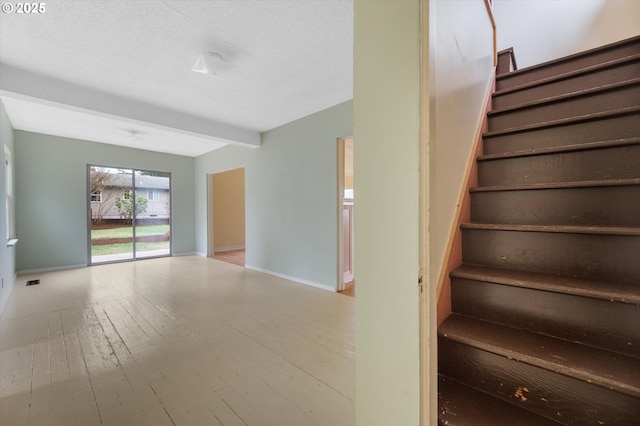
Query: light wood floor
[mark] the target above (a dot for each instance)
(175, 341)
(237, 257)
(349, 289)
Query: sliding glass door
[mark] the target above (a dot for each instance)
(129, 214)
(153, 214)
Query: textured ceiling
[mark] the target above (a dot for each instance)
(286, 59)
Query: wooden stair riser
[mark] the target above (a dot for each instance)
(611, 128)
(596, 322)
(555, 68)
(588, 206)
(620, 162)
(575, 106)
(594, 256)
(564, 399)
(603, 76)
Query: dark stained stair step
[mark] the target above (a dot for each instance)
(617, 124)
(609, 253)
(595, 322)
(612, 161)
(614, 291)
(607, 203)
(460, 405)
(597, 230)
(568, 400)
(592, 101)
(545, 328)
(561, 149)
(609, 370)
(558, 185)
(569, 63)
(602, 74)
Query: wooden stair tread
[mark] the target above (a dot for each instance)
(569, 57)
(623, 292)
(565, 96)
(598, 230)
(460, 405)
(559, 185)
(610, 370)
(568, 75)
(564, 121)
(561, 149)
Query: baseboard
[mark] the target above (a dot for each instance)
(51, 269)
(190, 253)
(228, 248)
(290, 278)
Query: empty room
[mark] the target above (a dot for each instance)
(319, 212)
(114, 310)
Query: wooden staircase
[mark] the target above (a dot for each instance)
(545, 328)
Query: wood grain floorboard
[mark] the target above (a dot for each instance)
(237, 257)
(175, 341)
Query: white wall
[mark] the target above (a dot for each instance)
(51, 196)
(386, 139)
(291, 196)
(461, 51)
(7, 254)
(543, 30)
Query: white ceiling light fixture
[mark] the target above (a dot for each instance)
(211, 63)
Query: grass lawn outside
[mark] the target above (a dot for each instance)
(101, 250)
(127, 232)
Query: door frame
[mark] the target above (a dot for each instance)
(340, 207)
(210, 216)
(133, 218)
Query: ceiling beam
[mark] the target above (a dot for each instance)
(18, 83)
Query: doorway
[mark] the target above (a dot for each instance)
(129, 214)
(226, 216)
(346, 278)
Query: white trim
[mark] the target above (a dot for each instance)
(290, 278)
(228, 248)
(54, 268)
(340, 207)
(348, 277)
(190, 253)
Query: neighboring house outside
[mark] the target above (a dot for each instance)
(154, 189)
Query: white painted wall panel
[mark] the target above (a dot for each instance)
(386, 148)
(543, 30)
(462, 60)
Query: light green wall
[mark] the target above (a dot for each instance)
(386, 138)
(7, 254)
(51, 196)
(291, 196)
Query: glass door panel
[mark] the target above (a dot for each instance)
(129, 218)
(111, 229)
(152, 214)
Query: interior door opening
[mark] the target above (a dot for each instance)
(346, 277)
(226, 216)
(129, 214)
